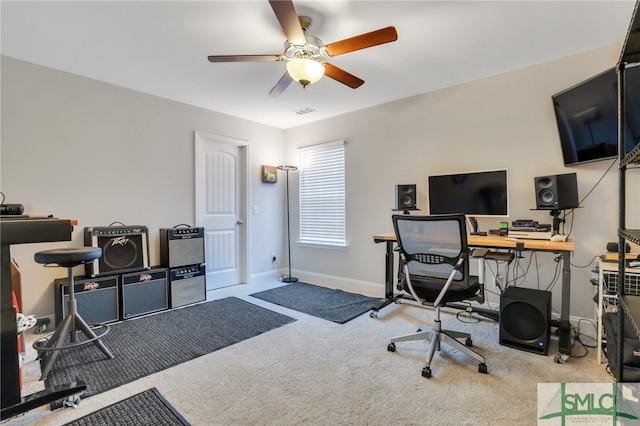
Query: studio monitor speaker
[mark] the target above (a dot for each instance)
(406, 197)
(124, 249)
(525, 319)
(556, 192)
(144, 292)
(181, 246)
(187, 285)
(96, 299)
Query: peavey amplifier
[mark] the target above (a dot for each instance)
(144, 292)
(96, 298)
(124, 249)
(187, 285)
(181, 247)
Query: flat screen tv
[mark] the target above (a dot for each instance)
(587, 117)
(484, 193)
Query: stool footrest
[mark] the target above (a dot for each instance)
(72, 323)
(40, 344)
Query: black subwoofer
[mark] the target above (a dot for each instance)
(124, 249)
(406, 197)
(96, 299)
(181, 246)
(556, 191)
(525, 319)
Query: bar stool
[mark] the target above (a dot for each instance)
(72, 322)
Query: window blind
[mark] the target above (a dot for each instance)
(322, 194)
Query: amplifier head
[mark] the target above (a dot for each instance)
(124, 249)
(181, 246)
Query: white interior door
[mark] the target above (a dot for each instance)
(221, 167)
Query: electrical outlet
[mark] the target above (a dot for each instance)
(273, 257)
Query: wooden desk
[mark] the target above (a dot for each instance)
(23, 231)
(493, 241)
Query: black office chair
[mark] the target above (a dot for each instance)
(435, 270)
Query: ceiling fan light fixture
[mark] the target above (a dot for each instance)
(305, 71)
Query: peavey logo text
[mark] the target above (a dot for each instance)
(91, 286)
(145, 277)
(119, 241)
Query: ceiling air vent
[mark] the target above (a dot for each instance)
(305, 110)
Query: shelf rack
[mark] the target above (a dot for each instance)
(630, 304)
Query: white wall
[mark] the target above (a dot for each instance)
(81, 149)
(77, 148)
(504, 121)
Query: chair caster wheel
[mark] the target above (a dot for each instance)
(468, 342)
(391, 347)
(482, 368)
(561, 358)
(373, 314)
(426, 372)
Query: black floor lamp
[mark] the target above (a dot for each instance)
(288, 279)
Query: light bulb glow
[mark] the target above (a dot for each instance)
(305, 71)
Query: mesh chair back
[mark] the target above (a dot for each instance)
(432, 245)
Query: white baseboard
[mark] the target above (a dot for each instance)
(355, 286)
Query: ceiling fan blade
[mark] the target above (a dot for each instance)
(244, 58)
(342, 76)
(281, 85)
(289, 21)
(374, 38)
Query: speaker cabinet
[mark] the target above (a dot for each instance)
(525, 319)
(556, 192)
(144, 292)
(181, 247)
(406, 197)
(187, 285)
(124, 249)
(96, 299)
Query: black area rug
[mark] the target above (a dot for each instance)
(145, 408)
(322, 302)
(146, 345)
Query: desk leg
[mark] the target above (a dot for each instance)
(564, 340)
(388, 271)
(389, 297)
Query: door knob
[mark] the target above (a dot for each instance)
(240, 222)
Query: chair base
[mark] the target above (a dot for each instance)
(436, 335)
(55, 342)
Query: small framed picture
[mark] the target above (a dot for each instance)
(269, 174)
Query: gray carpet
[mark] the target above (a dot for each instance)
(146, 408)
(322, 302)
(146, 345)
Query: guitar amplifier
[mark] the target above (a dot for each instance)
(96, 299)
(124, 249)
(144, 292)
(187, 285)
(181, 247)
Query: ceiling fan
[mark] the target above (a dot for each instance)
(306, 55)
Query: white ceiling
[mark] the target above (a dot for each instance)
(161, 47)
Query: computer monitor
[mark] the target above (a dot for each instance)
(484, 194)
